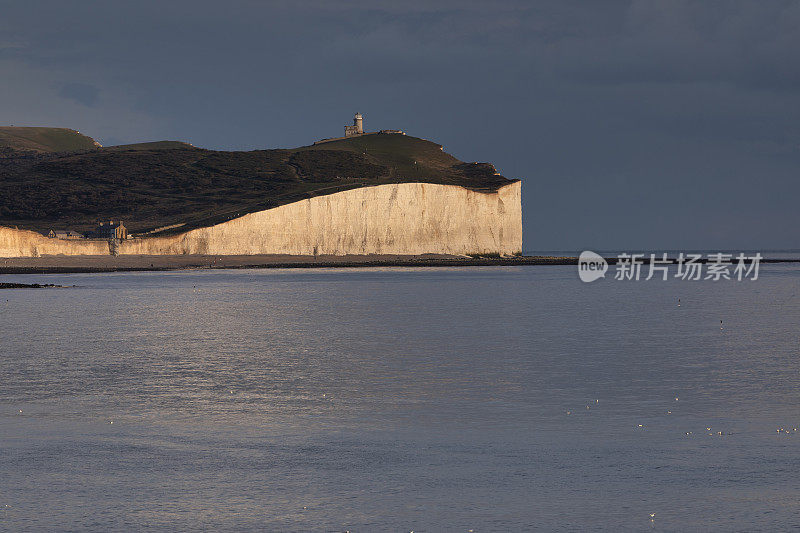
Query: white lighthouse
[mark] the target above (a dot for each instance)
(357, 128)
(358, 122)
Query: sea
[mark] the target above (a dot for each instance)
(400, 399)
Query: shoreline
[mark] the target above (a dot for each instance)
(86, 264)
(159, 263)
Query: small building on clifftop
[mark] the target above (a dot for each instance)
(65, 234)
(110, 230)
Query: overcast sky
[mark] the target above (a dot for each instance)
(633, 124)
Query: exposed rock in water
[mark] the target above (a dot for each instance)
(30, 286)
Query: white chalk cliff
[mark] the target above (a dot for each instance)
(402, 219)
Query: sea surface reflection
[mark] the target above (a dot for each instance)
(428, 399)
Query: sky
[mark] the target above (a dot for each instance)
(633, 125)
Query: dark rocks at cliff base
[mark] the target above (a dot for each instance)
(29, 286)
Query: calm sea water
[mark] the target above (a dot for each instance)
(484, 399)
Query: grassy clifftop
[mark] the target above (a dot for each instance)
(156, 145)
(45, 139)
(154, 185)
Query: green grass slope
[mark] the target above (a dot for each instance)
(157, 145)
(45, 139)
(402, 151)
(151, 188)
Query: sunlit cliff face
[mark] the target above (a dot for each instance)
(405, 219)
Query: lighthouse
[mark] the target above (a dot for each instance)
(358, 122)
(357, 128)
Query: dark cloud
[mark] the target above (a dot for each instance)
(632, 123)
(81, 93)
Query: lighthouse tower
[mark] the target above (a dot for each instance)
(357, 128)
(358, 122)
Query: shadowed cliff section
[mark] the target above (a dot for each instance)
(156, 185)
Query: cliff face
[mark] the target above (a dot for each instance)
(405, 219)
(23, 243)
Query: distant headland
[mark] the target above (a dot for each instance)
(380, 192)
